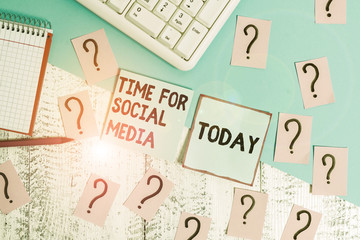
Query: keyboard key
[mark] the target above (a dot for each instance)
(146, 20)
(169, 36)
(191, 6)
(149, 4)
(210, 11)
(176, 2)
(118, 5)
(191, 39)
(165, 9)
(180, 20)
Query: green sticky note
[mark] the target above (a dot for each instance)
(227, 139)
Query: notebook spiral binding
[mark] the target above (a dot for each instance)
(28, 25)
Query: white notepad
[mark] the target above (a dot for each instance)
(24, 49)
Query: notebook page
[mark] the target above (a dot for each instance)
(21, 55)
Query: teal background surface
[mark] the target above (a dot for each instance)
(294, 37)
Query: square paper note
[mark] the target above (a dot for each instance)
(149, 194)
(192, 227)
(96, 57)
(147, 115)
(330, 171)
(13, 193)
(78, 116)
(330, 11)
(96, 200)
(301, 224)
(315, 82)
(293, 138)
(251, 42)
(226, 139)
(247, 214)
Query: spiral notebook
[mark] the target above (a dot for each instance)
(24, 50)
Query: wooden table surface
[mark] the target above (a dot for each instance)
(55, 177)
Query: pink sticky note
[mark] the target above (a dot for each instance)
(330, 11)
(78, 116)
(247, 214)
(301, 224)
(96, 200)
(14, 193)
(192, 227)
(315, 82)
(330, 171)
(251, 42)
(293, 138)
(149, 194)
(96, 57)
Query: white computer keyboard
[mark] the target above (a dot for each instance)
(179, 31)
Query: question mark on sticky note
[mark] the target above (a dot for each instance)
(100, 195)
(81, 110)
(156, 192)
(307, 224)
(250, 208)
(6, 186)
(254, 38)
(197, 226)
(332, 165)
(315, 78)
(96, 50)
(297, 133)
(327, 8)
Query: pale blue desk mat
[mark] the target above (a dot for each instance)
(294, 37)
